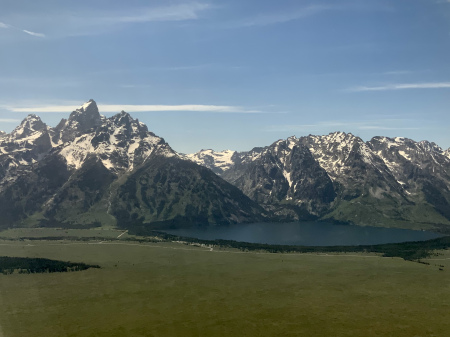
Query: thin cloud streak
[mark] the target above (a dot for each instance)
(370, 125)
(376, 127)
(140, 108)
(33, 33)
(9, 120)
(397, 72)
(6, 26)
(99, 22)
(266, 20)
(404, 86)
(181, 12)
(311, 10)
(175, 68)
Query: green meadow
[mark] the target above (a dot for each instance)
(174, 289)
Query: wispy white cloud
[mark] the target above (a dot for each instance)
(195, 108)
(44, 81)
(134, 86)
(139, 108)
(7, 26)
(270, 19)
(9, 120)
(397, 72)
(403, 86)
(380, 127)
(307, 11)
(384, 124)
(89, 21)
(33, 33)
(172, 68)
(179, 12)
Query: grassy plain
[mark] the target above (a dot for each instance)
(171, 289)
(99, 232)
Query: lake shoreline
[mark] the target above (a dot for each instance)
(305, 233)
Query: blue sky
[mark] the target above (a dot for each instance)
(232, 74)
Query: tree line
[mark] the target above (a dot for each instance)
(27, 265)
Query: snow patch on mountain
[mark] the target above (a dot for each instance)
(219, 162)
(447, 153)
(333, 151)
(287, 176)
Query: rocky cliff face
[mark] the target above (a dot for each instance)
(421, 168)
(285, 178)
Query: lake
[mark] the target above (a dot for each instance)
(305, 234)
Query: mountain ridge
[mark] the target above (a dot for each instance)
(382, 182)
(91, 170)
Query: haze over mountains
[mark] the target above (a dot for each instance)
(90, 170)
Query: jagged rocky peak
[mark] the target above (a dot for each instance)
(125, 124)
(290, 142)
(84, 119)
(120, 141)
(341, 137)
(429, 146)
(29, 125)
(87, 116)
(2, 134)
(292, 139)
(123, 118)
(336, 142)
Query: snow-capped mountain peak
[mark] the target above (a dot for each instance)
(120, 142)
(87, 116)
(337, 150)
(24, 146)
(28, 126)
(88, 104)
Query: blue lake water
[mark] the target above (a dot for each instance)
(305, 234)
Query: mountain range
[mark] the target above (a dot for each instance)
(388, 182)
(90, 170)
